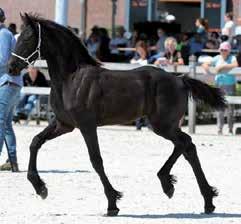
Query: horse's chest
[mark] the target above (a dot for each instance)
(59, 110)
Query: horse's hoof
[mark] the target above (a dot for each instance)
(209, 209)
(43, 193)
(113, 212)
(170, 192)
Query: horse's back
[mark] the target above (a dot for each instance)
(129, 94)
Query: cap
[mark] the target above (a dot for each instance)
(225, 46)
(170, 18)
(2, 15)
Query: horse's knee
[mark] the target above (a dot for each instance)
(36, 143)
(97, 165)
(190, 152)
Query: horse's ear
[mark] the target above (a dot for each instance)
(26, 19)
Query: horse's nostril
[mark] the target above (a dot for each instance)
(10, 71)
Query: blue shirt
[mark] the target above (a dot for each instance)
(7, 44)
(222, 78)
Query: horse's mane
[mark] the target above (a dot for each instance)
(79, 51)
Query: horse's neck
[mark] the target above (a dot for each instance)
(56, 74)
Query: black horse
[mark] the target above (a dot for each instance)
(85, 95)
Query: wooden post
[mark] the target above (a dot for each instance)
(114, 11)
(82, 30)
(191, 102)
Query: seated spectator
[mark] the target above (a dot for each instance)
(183, 46)
(210, 44)
(171, 56)
(159, 48)
(214, 39)
(27, 103)
(103, 51)
(118, 41)
(93, 41)
(141, 56)
(142, 59)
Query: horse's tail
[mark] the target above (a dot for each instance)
(204, 93)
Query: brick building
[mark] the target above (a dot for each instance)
(99, 12)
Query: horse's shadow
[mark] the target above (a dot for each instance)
(182, 216)
(60, 171)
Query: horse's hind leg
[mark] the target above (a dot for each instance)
(51, 131)
(90, 135)
(183, 145)
(207, 191)
(166, 179)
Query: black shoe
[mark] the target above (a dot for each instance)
(22, 115)
(16, 119)
(15, 167)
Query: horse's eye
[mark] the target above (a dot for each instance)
(27, 36)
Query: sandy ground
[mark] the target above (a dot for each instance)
(132, 159)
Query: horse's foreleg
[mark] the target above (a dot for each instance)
(90, 135)
(53, 130)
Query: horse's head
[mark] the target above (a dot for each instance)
(27, 49)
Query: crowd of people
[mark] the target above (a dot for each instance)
(137, 48)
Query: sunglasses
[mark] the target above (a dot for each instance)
(224, 50)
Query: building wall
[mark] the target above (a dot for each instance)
(100, 13)
(13, 8)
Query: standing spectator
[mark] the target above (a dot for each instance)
(171, 56)
(196, 45)
(228, 29)
(223, 62)
(237, 35)
(13, 28)
(202, 28)
(9, 95)
(237, 30)
(27, 103)
(18, 34)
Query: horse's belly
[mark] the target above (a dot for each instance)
(120, 111)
